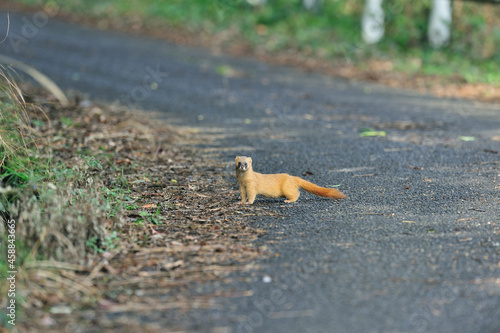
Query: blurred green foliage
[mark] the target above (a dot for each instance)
(329, 33)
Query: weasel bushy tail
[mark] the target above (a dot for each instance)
(321, 191)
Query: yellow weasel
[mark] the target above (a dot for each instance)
(275, 185)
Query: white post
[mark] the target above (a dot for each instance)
(313, 5)
(439, 23)
(372, 23)
(257, 2)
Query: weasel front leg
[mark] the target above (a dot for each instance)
(243, 194)
(251, 196)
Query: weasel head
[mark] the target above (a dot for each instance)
(243, 163)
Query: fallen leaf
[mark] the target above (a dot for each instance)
(60, 309)
(123, 161)
(371, 132)
(228, 71)
(173, 265)
(105, 304)
(149, 206)
(47, 321)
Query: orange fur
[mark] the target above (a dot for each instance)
(275, 185)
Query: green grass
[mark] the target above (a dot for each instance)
(331, 34)
(35, 189)
(19, 164)
(100, 245)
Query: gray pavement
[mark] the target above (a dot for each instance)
(415, 247)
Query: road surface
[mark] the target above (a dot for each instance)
(415, 247)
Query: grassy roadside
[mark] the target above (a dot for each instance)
(328, 40)
(50, 218)
(110, 204)
(31, 178)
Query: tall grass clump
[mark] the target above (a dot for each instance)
(57, 206)
(56, 211)
(16, 138)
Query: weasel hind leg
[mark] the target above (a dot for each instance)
(292, 196)
(290, 190)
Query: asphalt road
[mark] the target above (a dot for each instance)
(415, 247)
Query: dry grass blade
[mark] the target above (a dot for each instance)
(45, 276)
(55, 280)
(10, 88)
(41, 78)
(17, 111)
(46, 264)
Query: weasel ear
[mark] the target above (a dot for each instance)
(237, 158)
(250, 159)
